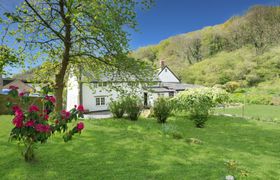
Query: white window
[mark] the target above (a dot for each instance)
(102, 84)
(100, 101)
(94, 85)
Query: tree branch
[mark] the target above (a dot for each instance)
(44, 21)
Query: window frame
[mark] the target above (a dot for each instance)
(100, 101)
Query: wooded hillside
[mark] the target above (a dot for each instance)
(244, 49)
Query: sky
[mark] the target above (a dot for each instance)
(171, 17)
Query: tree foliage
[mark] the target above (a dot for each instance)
(76, 33)
(7, 58)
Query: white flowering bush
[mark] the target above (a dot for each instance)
(198, 102)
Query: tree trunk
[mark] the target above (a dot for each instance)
(1, 82)
(59, 78)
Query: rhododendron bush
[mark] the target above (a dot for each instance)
(34, 125)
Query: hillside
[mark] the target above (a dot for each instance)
(244, 49)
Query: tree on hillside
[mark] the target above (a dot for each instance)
(194, 49)
(189, 48)
(262, 27)
(77, 33)
(236, 33)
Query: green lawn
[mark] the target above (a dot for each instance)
(265, 112)
(121, 149)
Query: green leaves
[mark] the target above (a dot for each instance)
(7, 57)
(198, 102)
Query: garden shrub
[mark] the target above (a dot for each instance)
(117, 108)
(162, 109)
(231, 86)
(133, 107)
(177, 135)
(198, 102)
(251, 98)
(33, 125)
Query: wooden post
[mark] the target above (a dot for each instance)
(243, 107)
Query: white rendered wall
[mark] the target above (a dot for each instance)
(90, 93)
(72, 93)
(167, 76)
(152, 97)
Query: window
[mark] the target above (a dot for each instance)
(102, 84)
(94, 85)
(100, 101)
(171, 94)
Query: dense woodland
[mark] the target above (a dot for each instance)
(245, 49)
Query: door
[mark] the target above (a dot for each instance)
(145, 99)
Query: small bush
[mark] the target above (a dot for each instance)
(232, 86)
(199, 119)
(177, 135)
(162, 109)
(117, 108)
(198, 102)
(133, 107)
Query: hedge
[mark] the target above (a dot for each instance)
(6, 98)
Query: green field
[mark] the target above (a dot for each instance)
(121, 149)
(264, 112)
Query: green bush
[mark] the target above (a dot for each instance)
(231, 86)
(162, 109)
(198, 102)
(133, 107)
(117, 108)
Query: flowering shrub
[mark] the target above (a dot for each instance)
(198, 102)
(33, 125)
(162, 109)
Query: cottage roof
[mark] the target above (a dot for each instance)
(180, 86)
(21, 86)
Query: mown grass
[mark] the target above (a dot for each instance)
(121, 149)
(264, 112)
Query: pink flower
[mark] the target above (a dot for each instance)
(18, 121)
(65, 114)
(51, 99)
(47, 128)
(80, 126)
(33, 108)
(19, 116)
(21, 94)
(13, 87)
(30, 123)
(46, 117)
(43, 128)
(81, 108)
(16, 108)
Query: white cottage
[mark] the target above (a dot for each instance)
(97, 95)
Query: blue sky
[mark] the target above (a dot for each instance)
(170, 17)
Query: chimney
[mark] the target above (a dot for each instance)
(162, 65)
